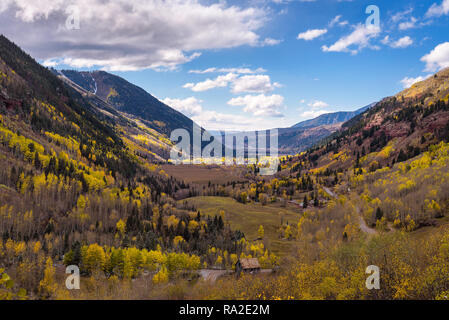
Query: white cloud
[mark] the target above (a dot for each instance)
(337, 20)
(334, 21)
(213, 120)
(254, 84)
(130, 35)
(408, 24)
(385, 40)
(311, 34)
(247, 83)
(402, 43)
(317, 108)
(229, 70)
(260, 105)
(399, 16)
(189, 106)
(310, 114)
(318, 104)
(360, 38)
(438, 58)
(438, 10)
(270, 42)
(408, 82)
(219, 82)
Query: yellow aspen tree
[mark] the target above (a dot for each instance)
(121, 225)
(161, 276)
(47, 286)
(261, 232)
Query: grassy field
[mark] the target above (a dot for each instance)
(247, 218)
(204, 174)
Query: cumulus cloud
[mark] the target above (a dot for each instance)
(438, 58)
(260, 105)
(408, 24)
(438, 10)
(129, 35)
(318, 104)
(401, 15)
(310, 114)
(247, 83)
(254, 84)
(189, 106)
(359, 38)
(402, 42)
(218, 82)
(311, 34)
(316, 109)
(213, 120)
(270, 42)
(408, 82)
(229, 70)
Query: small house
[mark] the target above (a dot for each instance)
(247, 265)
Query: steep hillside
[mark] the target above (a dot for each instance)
(331, 118)
(394, 130)
(130, 99)
(145, 142)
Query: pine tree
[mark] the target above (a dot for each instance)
(379, 214)
(37, 162)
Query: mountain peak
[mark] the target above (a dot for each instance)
(131, 99)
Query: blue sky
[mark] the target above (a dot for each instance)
(247, 65)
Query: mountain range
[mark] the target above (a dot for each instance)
(306, 134)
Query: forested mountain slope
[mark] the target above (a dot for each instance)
(130, 99)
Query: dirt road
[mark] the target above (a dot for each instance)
(363, 226)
